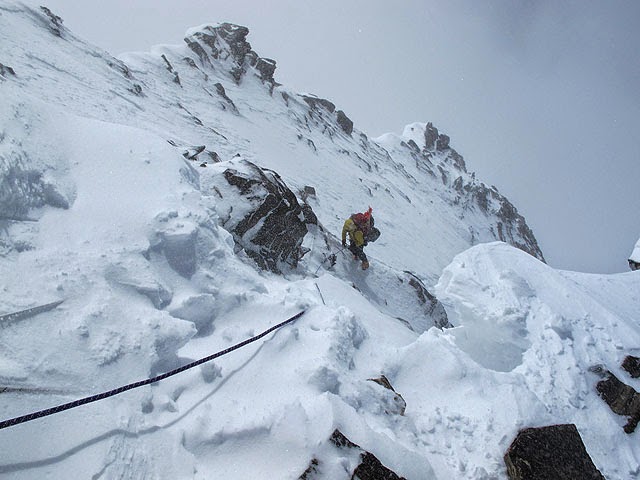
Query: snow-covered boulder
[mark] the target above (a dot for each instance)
(263, 214)
(339, 454)
(227, 43)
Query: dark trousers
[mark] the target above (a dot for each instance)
(357, 251)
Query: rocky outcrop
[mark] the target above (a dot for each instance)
(316, 103)
(439, 142)
(266, 220)
(360, 464)
(344, 122)
(53, 22)
(226, 45)
(511, 227)
(553, 452)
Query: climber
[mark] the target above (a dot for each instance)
(361, 231)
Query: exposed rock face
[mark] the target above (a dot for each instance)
(553, 452)
(433, 154)
(345, 122)
(227, 44)
(272, 224)
(511, 226)
(621, 398)
(315, 102)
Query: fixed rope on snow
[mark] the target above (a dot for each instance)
(94, 398)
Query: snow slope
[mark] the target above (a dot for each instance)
(97, 207)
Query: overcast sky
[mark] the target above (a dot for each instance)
(541, 97)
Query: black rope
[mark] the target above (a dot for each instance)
(94, 398)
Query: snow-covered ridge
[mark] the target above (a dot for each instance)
(115, 198)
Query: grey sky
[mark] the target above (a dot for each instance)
(540, 97)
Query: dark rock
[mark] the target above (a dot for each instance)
(309, 191)
(443, 142)
(273, 231)
(430, 136)
(632, 365)
(457, 160)
(223, 93)
(198, 50)
(554, 452)
(345, 122)
(621, 398)
(136, 89)
(54, 22)
(413, 146)
(315, 103)
(633, 265)
(311, 471)
(236, 37)
(6, 70)
(369, 468)
(176, 77)
(266, 67)
(339, 440)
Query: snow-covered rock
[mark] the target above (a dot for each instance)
(634, 258)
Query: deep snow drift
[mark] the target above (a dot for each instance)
(105, 205)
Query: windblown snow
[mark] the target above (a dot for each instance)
(106, 206)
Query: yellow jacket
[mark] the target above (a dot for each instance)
(355, 234)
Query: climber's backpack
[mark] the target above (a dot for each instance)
(370, 232)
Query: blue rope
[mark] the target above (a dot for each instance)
(94, 398)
